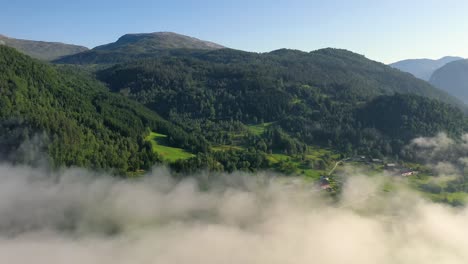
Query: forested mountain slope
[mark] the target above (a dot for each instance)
(453, 78)
(76, 120)
(328, 97)
(227, 83)
(230, 109)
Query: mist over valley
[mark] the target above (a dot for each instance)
(212, 132)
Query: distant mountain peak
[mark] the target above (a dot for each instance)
(148, 42)
(423, 68)
(450, 57)
(137, 36)
(453, 78)
(41, 49)
(157, 33)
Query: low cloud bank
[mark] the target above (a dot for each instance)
(440, 149)
(77, 216)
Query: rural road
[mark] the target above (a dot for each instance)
(336, 165)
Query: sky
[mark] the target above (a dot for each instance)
(382, 30)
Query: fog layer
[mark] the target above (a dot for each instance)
(77, 216)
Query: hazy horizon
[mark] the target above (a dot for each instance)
(420, 58)
(383, 31)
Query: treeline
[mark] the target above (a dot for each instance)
(227, 161)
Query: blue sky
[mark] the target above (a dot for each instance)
(383, 30)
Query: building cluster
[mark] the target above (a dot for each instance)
(394, 168)
(400, 170)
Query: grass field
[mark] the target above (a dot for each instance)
(456, 198)
(226, 147)
(321, 153)
(259, 129)
(160, 146)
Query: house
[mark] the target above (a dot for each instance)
(325, 186)
(407, 173)
(358, 158)
(325, 183)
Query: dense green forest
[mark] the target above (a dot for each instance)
(76, 120)
(338, 73)
(222, 109)
(331, 98)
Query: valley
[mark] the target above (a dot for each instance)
(193, 105)
(246, 132)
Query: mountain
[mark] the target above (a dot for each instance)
(142, 45)
(328, 97)
(148, 42)
(423, 68)
(341, 71)
(41, 49)
(226, 74)
(71, 117)
(216, 109)
(453, 78)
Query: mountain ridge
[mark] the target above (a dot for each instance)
(190, 42)
(228, 109)
(423, 68)
(43, 50)
(305, 98)
(453, 78)
(139, 45)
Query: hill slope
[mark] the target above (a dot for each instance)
(75, 119)
(41, 49)
(453, 78)
(423, 68)
(306, 98)
(228, 110)
(142, 45)
(229, 77)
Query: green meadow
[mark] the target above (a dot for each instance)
(160, 145)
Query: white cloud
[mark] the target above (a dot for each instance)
(80, 217)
